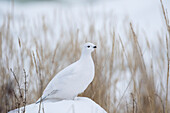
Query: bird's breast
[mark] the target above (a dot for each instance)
(85, 76)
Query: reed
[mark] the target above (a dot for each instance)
(30, 61)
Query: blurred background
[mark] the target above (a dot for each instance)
(38, 38)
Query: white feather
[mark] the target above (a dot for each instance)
(72, 80)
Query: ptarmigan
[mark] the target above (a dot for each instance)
(72, 80)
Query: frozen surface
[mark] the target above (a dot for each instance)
(80, 105)
(146, 17)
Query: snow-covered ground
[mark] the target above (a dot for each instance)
(146, 17)
(80, 105)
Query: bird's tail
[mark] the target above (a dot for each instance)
(40, 100)
(43, 98)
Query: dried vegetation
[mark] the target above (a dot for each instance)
(25, 72)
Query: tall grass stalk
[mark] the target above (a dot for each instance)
(125, 81)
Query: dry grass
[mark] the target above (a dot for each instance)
(28, 65)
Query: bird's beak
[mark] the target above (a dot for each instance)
(94, 46)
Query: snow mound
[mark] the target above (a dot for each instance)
(79, 105)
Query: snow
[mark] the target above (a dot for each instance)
(79, 105)
(146, 17)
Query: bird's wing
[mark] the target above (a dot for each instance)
(58, 81)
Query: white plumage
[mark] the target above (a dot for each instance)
(72, 80)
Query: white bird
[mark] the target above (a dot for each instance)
(72, 80)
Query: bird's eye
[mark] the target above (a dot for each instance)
(88, 46)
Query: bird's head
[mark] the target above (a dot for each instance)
(88, 48)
